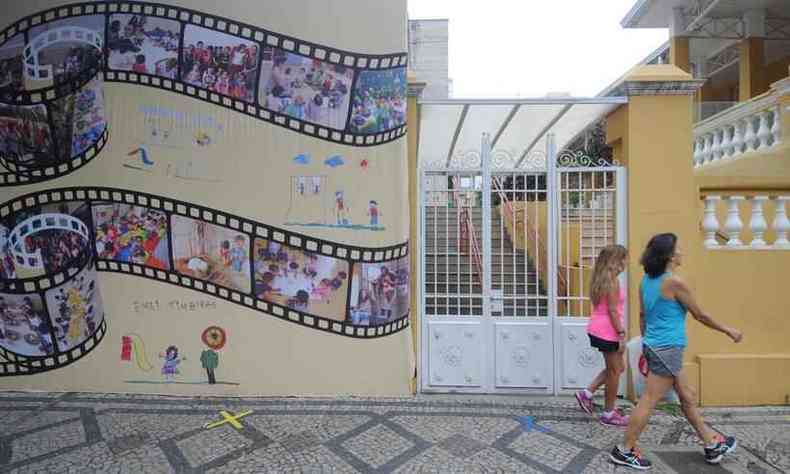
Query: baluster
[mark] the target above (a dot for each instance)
(706, 150)
(757, 222)
(751, 135)
(764, 133)
(737, 138)
(710, 223)
(726, 142)
(734, 225)
(776, 129)
(716, 150)
(697, 152)
(781, 224)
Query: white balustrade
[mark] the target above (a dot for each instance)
(733, 225)
(750, 126)
(711, 223)
(758, 223)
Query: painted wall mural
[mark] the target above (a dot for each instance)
(68, 76)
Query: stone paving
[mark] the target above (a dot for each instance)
(75, 433)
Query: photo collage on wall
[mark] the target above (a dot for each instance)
(220, 63)
(211, 252)
(143, 44)
(379, 102)
(304, 88)
(43, 241)
(25, 136)
(379, 292)
(11, 78)
(132, 234)
(328, 93)
(61, 48)
(301, 280)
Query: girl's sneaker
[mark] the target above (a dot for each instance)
(724, 445)
(614, 419)
(585, 402)
(632, 459)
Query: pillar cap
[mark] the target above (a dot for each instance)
(416, 86)
(660, 79)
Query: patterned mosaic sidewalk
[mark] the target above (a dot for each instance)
(135, 434)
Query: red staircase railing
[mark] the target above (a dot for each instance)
(532, 232)
(468, 240)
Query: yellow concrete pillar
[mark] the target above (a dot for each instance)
(679, 53)
(655, 136)
(413, 126)
(751, 68)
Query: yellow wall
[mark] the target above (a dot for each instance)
(742, 288)
(679, 53)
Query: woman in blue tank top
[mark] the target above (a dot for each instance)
(664, 300)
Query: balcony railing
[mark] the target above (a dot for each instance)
(751, 126)
(762, 230)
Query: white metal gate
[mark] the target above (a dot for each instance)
(506, 255)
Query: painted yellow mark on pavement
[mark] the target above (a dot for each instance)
(230, 418)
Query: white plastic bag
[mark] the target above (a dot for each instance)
(634, 348)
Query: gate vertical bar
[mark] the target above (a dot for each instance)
(417, 272)
(487, 323)
(552, 214)
(621, 237)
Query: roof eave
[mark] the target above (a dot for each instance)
(636, 13)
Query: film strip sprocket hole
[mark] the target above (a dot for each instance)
(165, 240)
(330, 94)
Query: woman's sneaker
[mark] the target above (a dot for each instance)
(614, 419)
(631, 458)
(724, 445)
(585, 402)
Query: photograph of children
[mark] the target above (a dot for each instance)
(304, 88)
(212, 253)
(379, 102)
(25, 328)
(52, 248)
(76, 309)
(133, 234)
(144, 44)
(79, 120)
(25, 137)
(220, 63)
(301, 280)
(68, 57)
(11, 65)
(379, 292)
(7, 269)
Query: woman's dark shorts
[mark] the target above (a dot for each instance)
(665, 361)
(603, 345)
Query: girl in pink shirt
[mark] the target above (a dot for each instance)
(606, 330)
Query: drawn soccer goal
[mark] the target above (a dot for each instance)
(311, 200)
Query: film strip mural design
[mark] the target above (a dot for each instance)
(54, 242)
(53, 66)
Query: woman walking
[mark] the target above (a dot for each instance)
(606, 330)
(664, 300)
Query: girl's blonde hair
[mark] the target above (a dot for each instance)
(604, 277)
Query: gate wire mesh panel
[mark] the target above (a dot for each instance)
(453, 256)
(587, 200)
(519, 255)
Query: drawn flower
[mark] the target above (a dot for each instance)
(214, 337)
